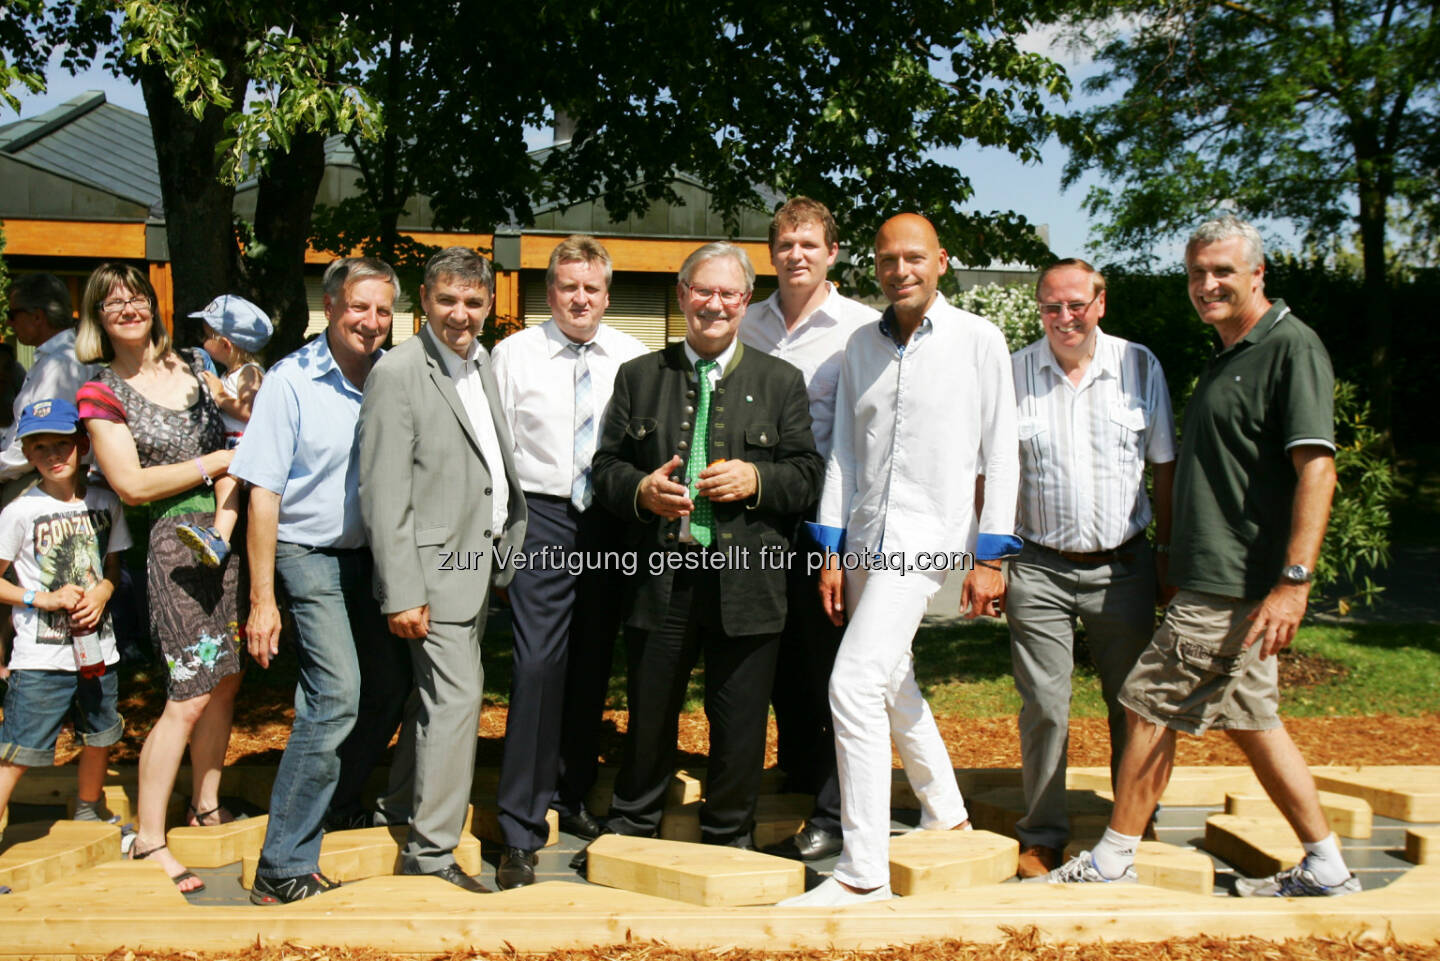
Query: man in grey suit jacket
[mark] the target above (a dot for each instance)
(438, 488)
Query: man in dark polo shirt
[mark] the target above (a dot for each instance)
(1252, 497)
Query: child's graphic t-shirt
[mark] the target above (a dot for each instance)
(51, 544)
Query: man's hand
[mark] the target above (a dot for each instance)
(661, 496)
(413, 624)
(728, 480)
(262, 630)
(983, 592)
(832, 590)
(1278, 617)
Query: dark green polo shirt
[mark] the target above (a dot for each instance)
(1234, 481)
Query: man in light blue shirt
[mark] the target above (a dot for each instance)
(300, 455)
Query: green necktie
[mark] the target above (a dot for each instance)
(702, 518)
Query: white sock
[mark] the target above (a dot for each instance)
(1115, 852)
(1324, 860)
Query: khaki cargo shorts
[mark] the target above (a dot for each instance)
(1196, 674)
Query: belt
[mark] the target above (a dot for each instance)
(1117, 555)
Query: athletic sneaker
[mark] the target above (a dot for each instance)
(1081, 869)
(208, 546)
(1296, 882)
(288, 890)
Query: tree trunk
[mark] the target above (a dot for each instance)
(1379, 311)
(275, 270)
(203, 256)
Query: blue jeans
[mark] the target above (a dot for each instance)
(354, 677)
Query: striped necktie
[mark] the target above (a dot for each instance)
(581, 491)
(702, 518)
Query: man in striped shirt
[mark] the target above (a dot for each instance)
(1093, 410)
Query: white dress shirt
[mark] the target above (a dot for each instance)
(536, 373)
(471, 389)
(914, 427)
(815, 345)
(1083, 447)
(55, 373)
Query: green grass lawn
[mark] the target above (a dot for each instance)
(965, 671)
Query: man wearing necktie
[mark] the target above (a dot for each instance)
(439, 494)
(707, 453)
(555, 380)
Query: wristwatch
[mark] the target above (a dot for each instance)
(30, 598)
(1297, 574)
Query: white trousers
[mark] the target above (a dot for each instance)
(874, 697)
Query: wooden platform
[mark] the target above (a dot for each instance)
(135, 906)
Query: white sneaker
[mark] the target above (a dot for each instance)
(830, 893)
(1296, 882)
(1081, 869)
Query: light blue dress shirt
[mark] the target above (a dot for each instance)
(300, 443)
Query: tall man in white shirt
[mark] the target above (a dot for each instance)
(40, 314)
(438, 488)
(922, 410)
(1093, 410)
(555, 381)
(807, 322)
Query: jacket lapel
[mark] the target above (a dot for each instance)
(441, 378)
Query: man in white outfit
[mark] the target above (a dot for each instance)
(923, 409)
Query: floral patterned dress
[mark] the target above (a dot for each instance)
(194, 610)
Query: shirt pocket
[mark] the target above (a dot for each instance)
(1128, 429)
(640, 428)
(761, 439)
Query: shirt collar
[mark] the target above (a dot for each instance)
(455, 366)
(557, 343)
(1263, 326)
(926, 324)
(1103, 363)
(723, 359)
(824, 314)
(324, 361)
(62, 342)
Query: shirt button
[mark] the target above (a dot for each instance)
(670, 537)
(487, 490)
(488, 534)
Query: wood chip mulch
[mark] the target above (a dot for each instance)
(1024, 945)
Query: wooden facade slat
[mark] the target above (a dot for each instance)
(74, 238)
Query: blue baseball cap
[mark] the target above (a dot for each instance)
(233, 316)
(54, 416)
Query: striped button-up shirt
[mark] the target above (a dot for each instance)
(1083, 447)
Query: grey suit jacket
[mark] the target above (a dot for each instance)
(425, 487)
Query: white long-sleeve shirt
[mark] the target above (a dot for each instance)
(55, 373)
(914, 427)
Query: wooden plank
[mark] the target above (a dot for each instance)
(686, 787)
(779, 816)
(142, 887)
(1403, 792)
(1422, 845)
(218, 844)
(367, 853)
(105, 240)
(1164, 865)
(973, 780)
(66, 848)
(118, 798)
(997, 809)
(932, 862)
(1196, 786)
(1257, 847)
(705, 874)
(1349, 817)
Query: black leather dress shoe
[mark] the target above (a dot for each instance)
(811, 844)
(517, 869)
(453, 874)
(584, 825)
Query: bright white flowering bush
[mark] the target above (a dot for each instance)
(1011, 307)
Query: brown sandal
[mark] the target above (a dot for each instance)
(197, 819)
(177, 879)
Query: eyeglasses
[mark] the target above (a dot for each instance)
(1074, 307)
(117, 305)
(730, 298)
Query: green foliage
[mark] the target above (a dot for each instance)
(1357, 542)
(1011, 307)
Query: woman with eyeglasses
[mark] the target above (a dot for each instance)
(160, 442)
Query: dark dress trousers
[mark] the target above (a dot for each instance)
(726, 601)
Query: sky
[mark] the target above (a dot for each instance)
(1000, 180)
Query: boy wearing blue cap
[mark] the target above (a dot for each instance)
(64, 540)
(235, 332)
